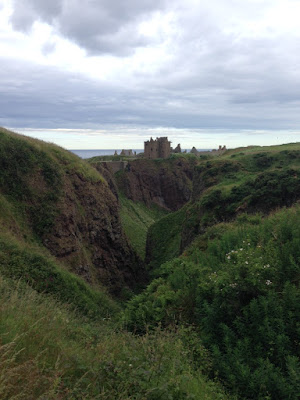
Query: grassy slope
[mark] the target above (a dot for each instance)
(54, 342)
(46, 351)
(242, 180)
(22, 198)
(164, 238)
(238, 286)
(136, 219)
(28, 208)
(28, 263)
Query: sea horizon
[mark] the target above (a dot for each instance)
(83, 153)
(88, 153)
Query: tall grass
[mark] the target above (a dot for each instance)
(47, 352)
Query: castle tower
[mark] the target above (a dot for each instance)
(159, 148)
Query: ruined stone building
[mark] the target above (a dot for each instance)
(126, 153)
(159, 148)
(177, 149)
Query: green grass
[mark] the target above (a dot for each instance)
(256, 149)
(29, 264)
(136, 219)
(245, 180)
(238, 285)
(227, 308)
(46, 351)
(32, 178)
(39, 152)
(164, 239)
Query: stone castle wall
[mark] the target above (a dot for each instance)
(159, 148)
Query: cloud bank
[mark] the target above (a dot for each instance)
(84, 64)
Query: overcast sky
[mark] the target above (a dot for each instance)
(111, 73)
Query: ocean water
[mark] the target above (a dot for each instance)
(109, 152)
(103, 152)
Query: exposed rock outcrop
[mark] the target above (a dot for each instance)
(51, 197)
(166, 183)
(87, 235)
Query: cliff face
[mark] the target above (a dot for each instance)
(51, 197)
(226, 188)
(166, 183)
(87, 235)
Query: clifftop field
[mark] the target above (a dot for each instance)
(173, 278)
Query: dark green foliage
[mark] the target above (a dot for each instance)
(20, 161)
(163, 240)
(211, 173)
(263, 160)
(44, 275)
(222, 189)
(268, 191)
(242, 292)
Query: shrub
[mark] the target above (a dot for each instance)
(242, 292)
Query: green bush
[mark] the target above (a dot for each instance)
(242, 291)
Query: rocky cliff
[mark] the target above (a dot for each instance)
(166, 183)
(241, 182)
(50, 197)
(87, 235)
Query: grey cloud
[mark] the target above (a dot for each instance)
(97, 26)
(224, 65)
(23, 16)
(48, 47)
(26, 13)
(35, 96)
(212, 79)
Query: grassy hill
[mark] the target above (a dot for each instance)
(62, 248)
(222, 309)
(237, 286)
(137, 218)
(52, 199)
(246, 180)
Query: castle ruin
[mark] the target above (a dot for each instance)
(159, 148)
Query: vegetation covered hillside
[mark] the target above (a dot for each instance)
(51, 199)
(236, 282)
(237, 285)
(147, 190)
(220, 317)
(241, 181)
(62, 336)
